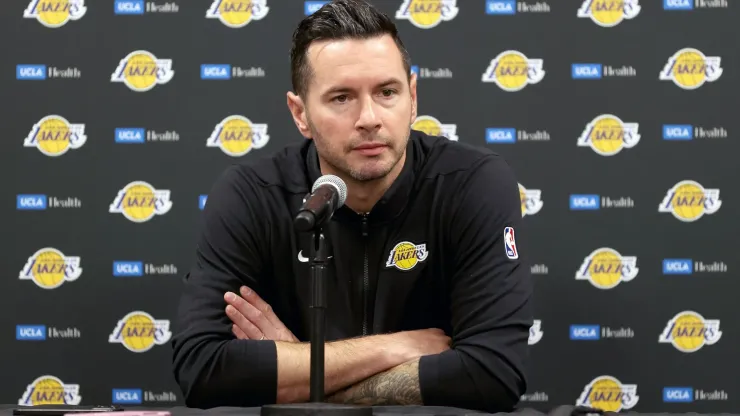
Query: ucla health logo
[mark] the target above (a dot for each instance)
(512, 7)
(599, 71)
(54, 135)
(237, 135)
(139, 332)
(681, 132)
(609, 13)
(607, 393)
(531, 200)
(689, 69)
(127, 396)
(605, 268)
(140, 202)
(434, 127)
(139, 7)
(141, 71)
(427, 14)
(687, 5)
(30, 332)
(237, 13)
(138, 135)
(49, 268)
(50, 390)
(607, 135)
(55, 13)
(40, 72)
(689, 266)
(225, 72)
(688, 201)
(311, 7)
(125, 268)
(512, 71)
(535, 332)
(688, 332)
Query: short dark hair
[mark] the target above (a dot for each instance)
(339, 19)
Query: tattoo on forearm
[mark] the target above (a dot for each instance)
(397, 386)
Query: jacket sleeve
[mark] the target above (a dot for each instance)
(490, 299)
(210, 365)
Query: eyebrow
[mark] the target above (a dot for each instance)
(341, 89)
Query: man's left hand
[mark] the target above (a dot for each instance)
(253, 318)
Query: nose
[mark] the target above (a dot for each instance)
(368, 118)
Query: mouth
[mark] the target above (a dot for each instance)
(370, 149)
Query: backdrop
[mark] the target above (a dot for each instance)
(619, 118)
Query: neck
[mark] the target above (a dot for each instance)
(363, 195)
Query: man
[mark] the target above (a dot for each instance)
(428, 300)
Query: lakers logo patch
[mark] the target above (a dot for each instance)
(406, 255)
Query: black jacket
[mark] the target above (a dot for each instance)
(451, 203)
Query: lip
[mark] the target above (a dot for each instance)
(370, 149)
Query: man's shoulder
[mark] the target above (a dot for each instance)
(285, 169)
(443, 157)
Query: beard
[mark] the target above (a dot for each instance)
(369, 169)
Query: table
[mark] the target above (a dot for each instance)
(7, 410)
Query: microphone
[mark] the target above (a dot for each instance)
(327, 195)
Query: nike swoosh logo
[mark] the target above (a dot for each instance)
(305, 259)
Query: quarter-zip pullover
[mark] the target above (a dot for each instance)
(443, 248)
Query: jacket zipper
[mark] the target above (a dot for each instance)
(365, 277)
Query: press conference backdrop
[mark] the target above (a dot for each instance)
(619, 118)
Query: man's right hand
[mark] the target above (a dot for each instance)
(417, 343)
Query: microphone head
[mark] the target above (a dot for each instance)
(336, 182)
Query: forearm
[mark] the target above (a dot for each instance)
(346, 362)
(397, 386)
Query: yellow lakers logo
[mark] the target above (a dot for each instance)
(689, 200)
(609, 13)
(50, 390)
(237, 13)
(531, 200)
(689, 332)
(512, 71)
(689, 69)
(406, 255)
(608, 394)
(237, 136)
(426, 14)
(49, 268)
(141, 71)
(434, 127)
(140, 202)
(139, 332)
(607, 135)
(53, 136)
(55, 13)
(605, 268)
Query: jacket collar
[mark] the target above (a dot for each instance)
(392, 203)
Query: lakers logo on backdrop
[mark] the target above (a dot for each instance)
(406, 255)
(607, 135)
(140, 202)
(426, 14)
(512, 71)
(141, 71)
(237, 136)
(688, 331)
(47, 390)
(689, 200)
(689, 69)
(55, 13)
(139, 332)
(609, 13)
(49, 268)
(608, 394)
(605, 268)
(237, 13)
(434, 127)
(531, 200)
(53, 136)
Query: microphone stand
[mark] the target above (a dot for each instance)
(316, 406)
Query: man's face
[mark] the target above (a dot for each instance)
(360, 106)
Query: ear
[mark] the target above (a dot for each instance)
(298, 111)
(412, 89)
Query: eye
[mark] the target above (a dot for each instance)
(388, 92)
(340, 98)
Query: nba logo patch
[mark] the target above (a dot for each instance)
(510, 243)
